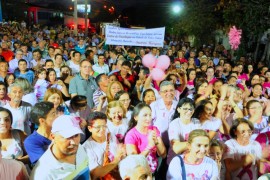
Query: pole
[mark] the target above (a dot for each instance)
(85, 20)
(75, 18)
(1, 16)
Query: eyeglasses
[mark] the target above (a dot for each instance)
(246, 131)
(208, 109)
(258, 107)
(125, 100)
(98, 128)
(188, 109)
(166, 91)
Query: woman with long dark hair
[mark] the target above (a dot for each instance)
(181, 126)
(204, 112)
(143, 138)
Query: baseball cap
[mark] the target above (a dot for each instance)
(66, 126)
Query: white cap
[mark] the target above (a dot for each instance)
(66, 126)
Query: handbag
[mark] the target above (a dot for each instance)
(113, 174)
(183, 168)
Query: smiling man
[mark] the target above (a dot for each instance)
(65, 158)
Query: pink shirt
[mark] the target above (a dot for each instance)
(139, 140)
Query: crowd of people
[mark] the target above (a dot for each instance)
(73, 107)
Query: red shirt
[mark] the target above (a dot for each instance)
(8, 55)
(130, 78)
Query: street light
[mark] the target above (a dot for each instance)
(176, 9)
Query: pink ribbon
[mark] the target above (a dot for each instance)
(246, 170)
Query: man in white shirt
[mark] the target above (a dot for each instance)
(74, 63)
(13, 64)
(101, 67)
(20, 110)
(65, 158)
(37, 62)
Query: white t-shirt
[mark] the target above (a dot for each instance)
(180, 131)
(95, 151)
(258, 127)
(236, 151)
(74, 67)
(212, 124)
(207, 169)
(118, 131)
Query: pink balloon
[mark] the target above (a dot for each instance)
(163, 62)
(157, 74)
(149, 60)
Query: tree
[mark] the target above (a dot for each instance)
(252, 16)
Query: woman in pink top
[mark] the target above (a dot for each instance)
(142, 138)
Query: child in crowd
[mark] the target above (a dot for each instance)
(216, 152)
(117, 125)
(41, 84)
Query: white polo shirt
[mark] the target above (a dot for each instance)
(161, 118)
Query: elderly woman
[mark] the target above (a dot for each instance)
(255, 116)
(12, 139)
(242, 153)
(135, 167)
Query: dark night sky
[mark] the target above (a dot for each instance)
(148, 13)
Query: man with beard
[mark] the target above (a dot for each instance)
(37, 61)
(20, 110)
(43, 114)
(226, 70)
(65, 158)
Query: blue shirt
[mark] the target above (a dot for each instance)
(29, 75)
(35, 146)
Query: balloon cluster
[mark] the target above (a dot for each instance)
(158, 65)
(235, 37)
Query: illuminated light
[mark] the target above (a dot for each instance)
(176, 9)
(105, 7)
(112, 7)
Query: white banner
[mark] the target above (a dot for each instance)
(135, 37)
